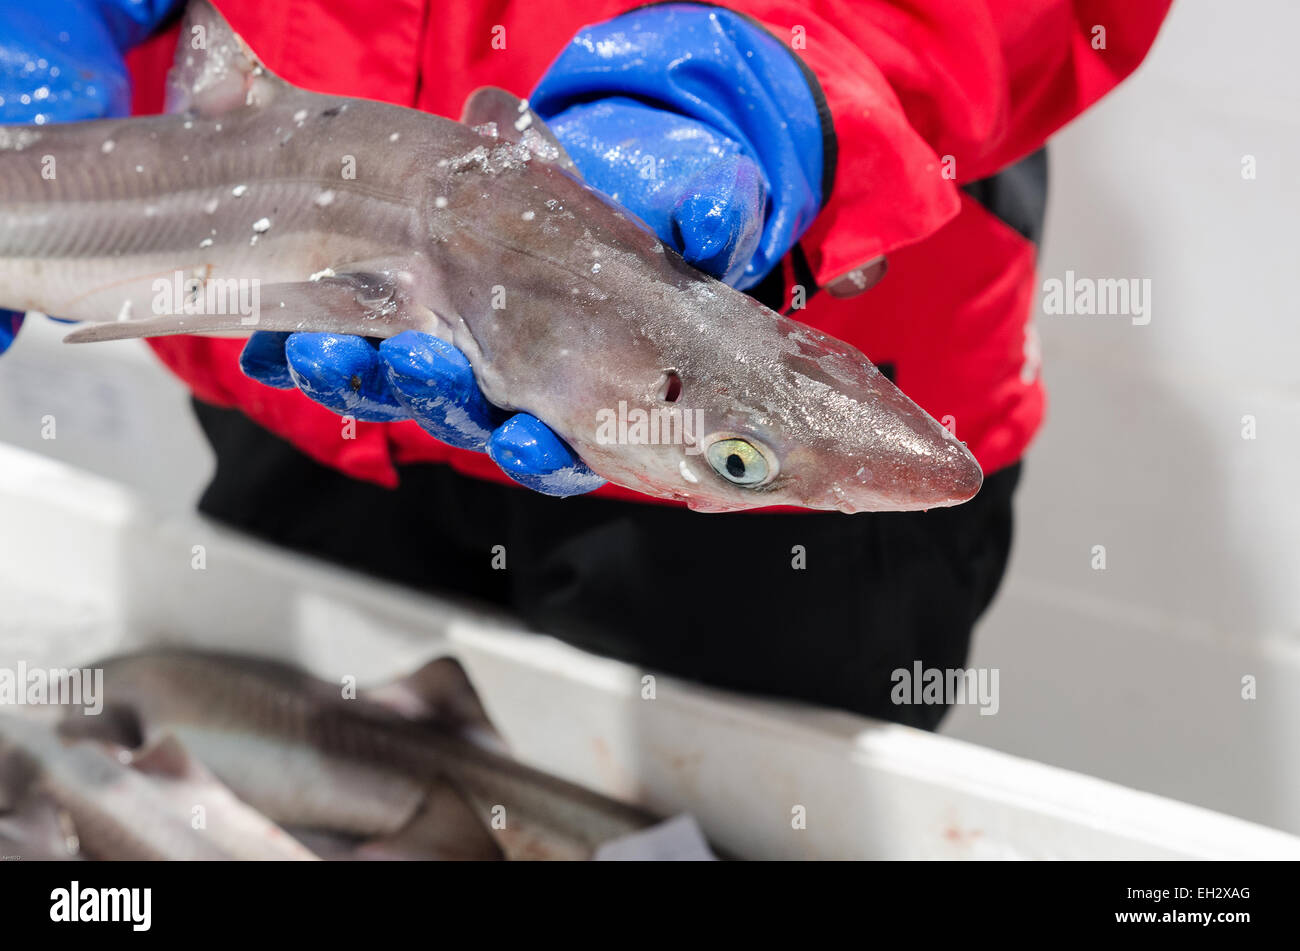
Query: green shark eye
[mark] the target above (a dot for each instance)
(738, 461)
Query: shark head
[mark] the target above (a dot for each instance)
(745, 408)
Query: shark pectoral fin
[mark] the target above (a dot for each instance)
(154, 327)
(445, 827)
(365, 303)
(503, 115)
(215, 71)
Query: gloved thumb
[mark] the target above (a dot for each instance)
(718, 219)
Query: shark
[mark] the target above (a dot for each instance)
(252, 204)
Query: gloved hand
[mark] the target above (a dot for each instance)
(699, 121)
(417, 376)
(726, 167)
(61, 61)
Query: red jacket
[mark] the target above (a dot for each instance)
(913, 87)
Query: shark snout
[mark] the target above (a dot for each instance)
(941, 475)
(946, 475)
(956, 479)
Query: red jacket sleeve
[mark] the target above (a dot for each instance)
(917, 88)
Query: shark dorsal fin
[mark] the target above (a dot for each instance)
(215, 71)
(503, 115)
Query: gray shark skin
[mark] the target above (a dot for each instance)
(123, 806)
(293, 748)
(352, 216)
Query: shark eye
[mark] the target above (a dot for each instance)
(738, 461)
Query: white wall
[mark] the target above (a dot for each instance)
(1134, 673)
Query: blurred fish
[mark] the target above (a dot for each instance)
(155, 804)
(295, 749)
(35, 828)
(258, 205)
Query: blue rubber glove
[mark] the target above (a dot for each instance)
(700, 122)
(417, 376)
(61, 61)
(726, 167)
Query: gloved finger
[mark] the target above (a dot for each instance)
(718, 220)
(529, 452)
(434, 383)
(343, 373)
(263, 359)
(10, 322)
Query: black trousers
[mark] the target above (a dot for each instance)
(817, 606)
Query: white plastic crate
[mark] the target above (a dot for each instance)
(86, 569)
